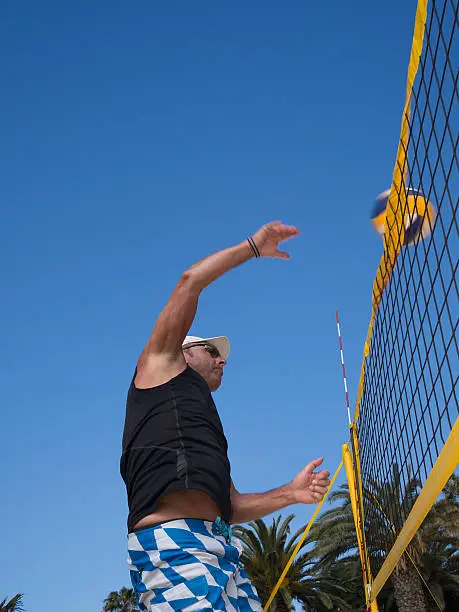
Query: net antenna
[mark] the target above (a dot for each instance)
(346, 392)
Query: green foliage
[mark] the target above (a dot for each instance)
(120, 601)
(267, 549)
(13, 605)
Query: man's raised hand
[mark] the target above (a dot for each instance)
(268, 238)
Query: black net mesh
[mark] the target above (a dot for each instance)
(410, 397)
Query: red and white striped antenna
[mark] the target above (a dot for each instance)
(344, 369)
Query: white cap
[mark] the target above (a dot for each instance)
(221, 343)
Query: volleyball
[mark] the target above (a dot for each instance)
(419, 215)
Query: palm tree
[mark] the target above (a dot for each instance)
(267, 548)
(334, 537)
(13, 605)
(120, 601)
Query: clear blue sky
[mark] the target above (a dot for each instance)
(137, 138)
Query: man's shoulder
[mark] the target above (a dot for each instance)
(155, 370)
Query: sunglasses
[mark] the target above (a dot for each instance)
(212, 350)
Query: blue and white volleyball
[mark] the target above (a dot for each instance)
(419, 215)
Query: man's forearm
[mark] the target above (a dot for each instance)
(206, 271)
(250, 506)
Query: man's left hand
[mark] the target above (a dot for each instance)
(309, 486)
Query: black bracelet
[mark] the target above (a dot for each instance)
(255, 250)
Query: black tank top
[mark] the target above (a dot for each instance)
(173, 440)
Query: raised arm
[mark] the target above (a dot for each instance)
(308, 487)
(162, 356)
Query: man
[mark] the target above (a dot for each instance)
(181, 497)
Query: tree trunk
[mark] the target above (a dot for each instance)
(408, 591)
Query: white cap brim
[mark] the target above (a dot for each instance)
(221, 343)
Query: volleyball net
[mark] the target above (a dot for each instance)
(405, 431)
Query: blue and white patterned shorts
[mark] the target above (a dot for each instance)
(189, 565)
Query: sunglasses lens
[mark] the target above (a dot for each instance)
(213, 352)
